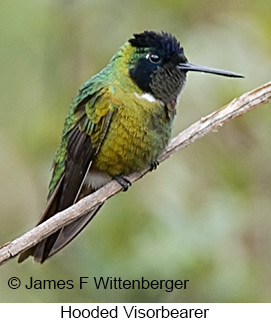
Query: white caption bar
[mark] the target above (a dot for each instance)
(97, 312)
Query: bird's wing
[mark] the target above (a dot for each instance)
(85, 128)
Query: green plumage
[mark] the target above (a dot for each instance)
(133, 131)
(118, 123)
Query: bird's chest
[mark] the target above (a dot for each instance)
(139, 131)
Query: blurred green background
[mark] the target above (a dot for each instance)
(205, 214)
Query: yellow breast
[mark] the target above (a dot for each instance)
(139, 131)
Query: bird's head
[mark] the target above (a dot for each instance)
(158, 65)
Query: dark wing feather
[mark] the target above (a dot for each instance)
(80, 153)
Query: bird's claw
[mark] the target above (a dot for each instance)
(124, 182)
(154, 164)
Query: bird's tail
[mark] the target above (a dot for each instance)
(58, 240)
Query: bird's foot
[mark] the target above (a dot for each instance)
(124, 182)
(154, 165)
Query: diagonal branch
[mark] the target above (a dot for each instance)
(235, 108)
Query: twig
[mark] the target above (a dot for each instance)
(235, 108)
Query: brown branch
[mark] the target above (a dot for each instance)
(235, 108)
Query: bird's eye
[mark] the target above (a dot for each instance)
(154, 58)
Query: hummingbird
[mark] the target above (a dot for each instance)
(118, 123)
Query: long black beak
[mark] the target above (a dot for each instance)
(198, 68)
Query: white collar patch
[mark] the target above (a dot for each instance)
(147, 96)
